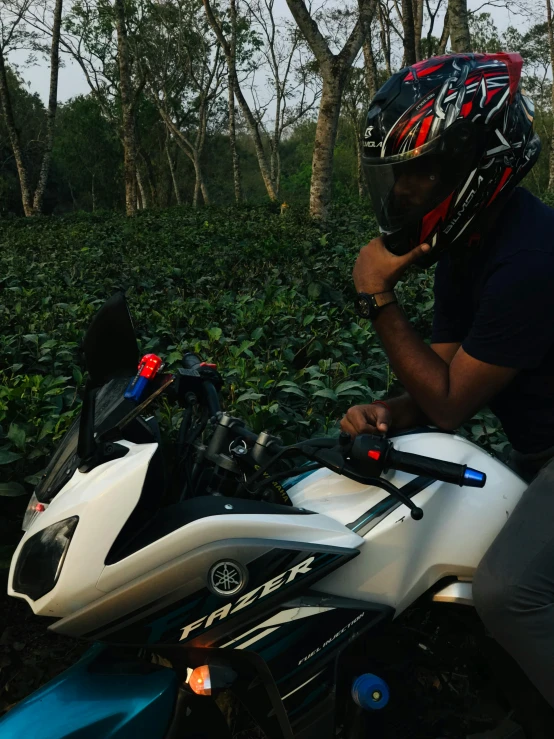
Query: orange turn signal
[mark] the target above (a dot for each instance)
(200, 681)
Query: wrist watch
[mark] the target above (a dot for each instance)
(369, 306)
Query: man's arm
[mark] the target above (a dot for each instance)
(448, 393)
(404, 412)
(451, 393)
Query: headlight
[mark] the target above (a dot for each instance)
(41, 559)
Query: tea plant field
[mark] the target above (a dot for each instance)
(266, 296)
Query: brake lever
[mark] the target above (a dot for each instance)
(415, 512)
(335, 459)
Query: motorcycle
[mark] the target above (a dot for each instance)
(316, 590)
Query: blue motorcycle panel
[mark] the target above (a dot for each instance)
(100, 697)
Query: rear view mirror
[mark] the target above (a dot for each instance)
(110, 346)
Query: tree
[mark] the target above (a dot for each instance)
(251, 121)
(85, 149)
(293, 90)
(97, 37)
(185, 70)
(231, 102)
(12, 21)
(127, 110)
(459, 25)
(551, 45)
(334, 69)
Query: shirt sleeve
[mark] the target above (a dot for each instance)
(452, 312)
(514, 323)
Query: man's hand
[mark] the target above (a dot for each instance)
(377, 270)
(366, 419)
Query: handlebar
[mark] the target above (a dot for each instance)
(415, 464)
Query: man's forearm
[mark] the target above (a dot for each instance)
(406, 413)
(422, 372)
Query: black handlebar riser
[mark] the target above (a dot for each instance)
(191, 361)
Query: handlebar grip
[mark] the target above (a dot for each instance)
(191, 361)
(457, 474)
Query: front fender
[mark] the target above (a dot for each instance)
(106, 695)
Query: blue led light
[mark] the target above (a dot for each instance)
(474, 478)
(370, 692)
(135, 388)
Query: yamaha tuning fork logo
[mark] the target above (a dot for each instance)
(227, 578)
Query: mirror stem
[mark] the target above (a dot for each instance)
(86, 446)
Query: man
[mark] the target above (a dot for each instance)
(446, 142)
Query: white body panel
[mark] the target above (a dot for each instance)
(403, 558)
(104, 499)
(399, 560)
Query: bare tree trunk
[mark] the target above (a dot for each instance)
(172, 170)
(385, 41)
(459, 28)
(233, 142)
(232, 110)
(250, 119)
(52, 107)
(551, 44)
(15, 141)
(140, 202)
(418, 26)
(334, 70)
(361, 182)
(324, 146)
(201, 182)
(145, 200)
(445, 33)
(196, 195)
(370, 65)
(409, 33)
(129, 148)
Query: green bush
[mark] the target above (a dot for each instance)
(266, 296)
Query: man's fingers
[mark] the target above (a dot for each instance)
(359, 419)
(413, 255)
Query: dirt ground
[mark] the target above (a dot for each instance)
(29, 654)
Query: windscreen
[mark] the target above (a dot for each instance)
(111, 406)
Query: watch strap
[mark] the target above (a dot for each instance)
(369, 305)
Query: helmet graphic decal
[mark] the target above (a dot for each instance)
(443, 140)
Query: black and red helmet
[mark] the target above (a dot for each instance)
(443, 140)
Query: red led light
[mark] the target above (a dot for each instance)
(374, 454)
(149, 366)
(208, 364)
(40, 508)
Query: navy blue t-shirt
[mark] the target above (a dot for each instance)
(500, 306)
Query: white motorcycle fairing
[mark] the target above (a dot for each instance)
(399, 558)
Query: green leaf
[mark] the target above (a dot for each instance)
(257, 333)
(344, 387)
(250, 395)
(326, 393)
(17, 435)
(308, 319)
(215, 333)
(7, 457)
(11, 490)
(294, 390)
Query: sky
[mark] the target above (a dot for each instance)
(72, 82)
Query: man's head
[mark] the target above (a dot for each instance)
(444, 140)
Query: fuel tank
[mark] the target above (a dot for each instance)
(402, 558)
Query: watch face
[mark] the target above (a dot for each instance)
(363, 306)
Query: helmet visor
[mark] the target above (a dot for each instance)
(404, 187)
